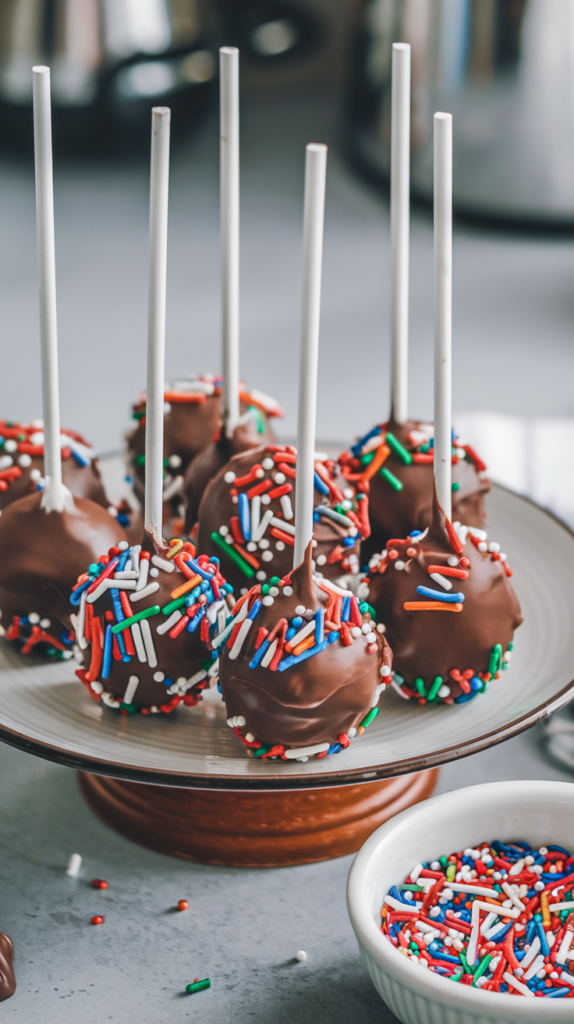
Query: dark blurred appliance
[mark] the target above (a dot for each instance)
(505, 70)
(111, 60)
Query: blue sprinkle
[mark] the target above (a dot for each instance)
(76, 596)
(244, 516)
(349, 542)
(319, 485)
(259, 654)
(415, 533)
(319, 625)
(476, 683)
(297, 621)
(544, 947)
(356, 448)
(346, 609)
(168, 682)
(255, 610)
(107, 658)
(292, 660)
(438, 595)
(196, 620)
(334, 749)
(80, 459)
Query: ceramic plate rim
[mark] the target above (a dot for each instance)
(335, 777)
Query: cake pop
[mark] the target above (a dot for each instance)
(192, 421)
(7, 977)
(247, 517)
(41, 556)
(302, 667)
(449, 639)
(393, 463)
(143, 622)
(449, 610)
(22, 463)
(47, 537)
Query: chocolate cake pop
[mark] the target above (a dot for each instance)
(143, 623)
(247, 517)
(41, 556)
(7, 977)
(393, 463)
(22, 463)
(302, 667)
(192, 422)
(449, 610)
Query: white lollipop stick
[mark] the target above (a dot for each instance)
(229, 199)
(400, 194)
(315, 174)
(53, 499)
(158, 213)
(443, 310)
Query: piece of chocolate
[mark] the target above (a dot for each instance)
(161, 658)
(22, 463)
(394, 464)
(449, 609)
(247, 517)
(192, 422)
(303, 667)
(41, 556)
(7, 976)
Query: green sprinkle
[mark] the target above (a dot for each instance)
(410, 887)
(391, 478)
(398, 449)
(455, 486)
(420, 687)
(145, 614)
(369, 718)
(366, 607)
(481, 968)
(456, 977)
(504, 666)
(451, 872)
(274, 581)
(233, 556)
(257, 415)
(140, 459)
(172, 606)
(94, 569)
(443, 861)
(365, 459)
(511, 645)
(414, 947)
(495, 659)
(197, 986)
(263, 749)
(464, 962)
(435, 687)
(265, 588)
(130, 708)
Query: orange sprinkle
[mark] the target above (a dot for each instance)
(431, 606)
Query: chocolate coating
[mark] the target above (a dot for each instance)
(82, 481)
(427, 644)
(178, 658)
(314, 701)
(190, 426)
(395, 513)
(43, 553)
(7, 976)
(210, 461)
(218, 507)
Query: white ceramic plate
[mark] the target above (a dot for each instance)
(45, 710)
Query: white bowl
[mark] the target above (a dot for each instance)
(536, 812)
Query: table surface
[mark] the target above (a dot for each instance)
(513, 296)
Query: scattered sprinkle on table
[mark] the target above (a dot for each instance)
(182, 905)
(301, 955)
(98, 919)
(499, 917)
(99, 883)
(197, 985)
(74, 865)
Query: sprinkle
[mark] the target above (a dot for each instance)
(146, 613)
(98, 919)
(162, 563)
(431, 606)
(74, 865)
(301, 956)
(138, 595)
(317, 748)
(391, 479)
(398, 448)
(182, 905)
(198, 986)
(148, 641)
(437, 595)
(233, 556)
(444, 570)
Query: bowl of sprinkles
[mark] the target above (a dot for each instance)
(463, 906)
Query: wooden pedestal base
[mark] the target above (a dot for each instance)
(253, 829)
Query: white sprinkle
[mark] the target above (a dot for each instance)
(452, 561)
(154, 572)
(300, 609)
(399, 564)
(131, 688)
(162, 563)
(267, 600)
(265, 499)
(286, 527)
(224, 530)
(169, 623)
(229, 477)
(144, 568)
(138, 595)
(301, 956)
(268, 464)
(138, 642)
(74, 865)
(279, 478)
(286, 506)
(287, 590)
(317, 748)
(148, 642)
(24, 461)
(442, 581)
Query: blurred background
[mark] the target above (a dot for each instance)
(312, 70)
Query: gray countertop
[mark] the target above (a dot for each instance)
(513, 318)
(242, 929)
